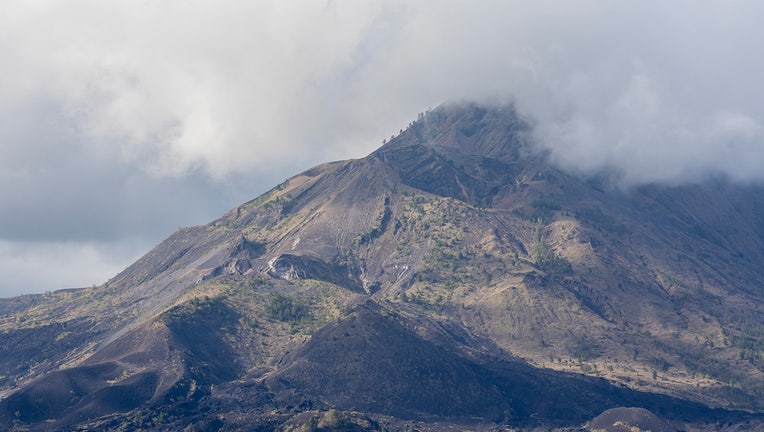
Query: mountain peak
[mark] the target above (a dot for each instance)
(473, 153)
(496, 132)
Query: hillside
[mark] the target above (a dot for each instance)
(453, 277)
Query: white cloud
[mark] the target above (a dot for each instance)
(29, 268)
(175, 103)
(231, 86)
(183, 85)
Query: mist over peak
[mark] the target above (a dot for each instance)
(642, 136)
(216, 103)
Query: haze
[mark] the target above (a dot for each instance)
(121, 121)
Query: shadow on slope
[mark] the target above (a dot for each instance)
(172, 361)
(36, 347)
(372, 361)
(77, 394)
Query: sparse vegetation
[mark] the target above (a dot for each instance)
(545, 258)
(286, 309)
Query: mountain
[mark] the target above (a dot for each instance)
(453, 279)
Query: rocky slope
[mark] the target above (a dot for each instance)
(451, 279)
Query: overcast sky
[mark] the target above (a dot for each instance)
(121, 121)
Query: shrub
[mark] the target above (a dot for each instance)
(285, 309)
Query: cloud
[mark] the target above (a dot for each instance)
(29, 268)
(178, 86)
(126, 119)
(643, 90)
(659, 116)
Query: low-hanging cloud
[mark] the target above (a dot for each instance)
(123, 120)
(648, 91)
(659, 92)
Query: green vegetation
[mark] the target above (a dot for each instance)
(286, 309)
(380, 225)
(199, 306)
(544, 209)
(333, 421)
(253, 248)
(545, 258)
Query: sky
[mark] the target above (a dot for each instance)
(123, 120)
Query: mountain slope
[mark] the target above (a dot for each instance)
(444, 278)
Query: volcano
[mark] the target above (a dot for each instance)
(452, 279)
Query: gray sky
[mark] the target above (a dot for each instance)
(121, 121)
